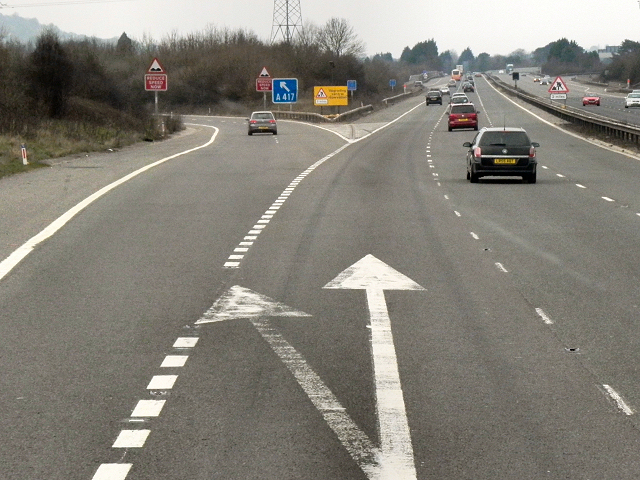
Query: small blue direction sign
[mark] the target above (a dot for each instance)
(284, 90)
(352, 85)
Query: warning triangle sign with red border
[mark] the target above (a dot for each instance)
(558, 86)
(156, 67)
(321, 94)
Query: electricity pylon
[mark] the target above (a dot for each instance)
(287, 20)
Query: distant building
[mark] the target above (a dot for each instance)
(606, 54)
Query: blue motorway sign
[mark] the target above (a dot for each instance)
(284, 90)
(392, 83)
(352, 85)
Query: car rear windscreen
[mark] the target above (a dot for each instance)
(463, 109)
(504, 138)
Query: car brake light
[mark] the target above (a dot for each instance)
(532, 152)
(477, 152)
(272, 121)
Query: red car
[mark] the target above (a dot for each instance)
(591, 99)
(463, 115)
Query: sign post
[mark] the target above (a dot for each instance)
(264, 85)
(559, 90)
(155, 80)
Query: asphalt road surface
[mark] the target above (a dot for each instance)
(334, 302)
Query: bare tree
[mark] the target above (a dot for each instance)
(338, 38)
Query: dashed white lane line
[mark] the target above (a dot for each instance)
(144, 410)
(234, 260)
(185, 342)
(112, 471)
(622, 405)
(148, 408)
(544, 316)
(131, 439)
(172, 361)
(617, 398)
(500, 267)
(162, 382)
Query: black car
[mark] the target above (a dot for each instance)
(468, 87)
(434, 96)
(501, 151)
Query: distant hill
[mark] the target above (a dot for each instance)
(26, 30)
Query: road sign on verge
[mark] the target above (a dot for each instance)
(558, 96)
(327, 96)
(263, 84)
(156, 67)
(156, 78)
(352, 85)
(155, 82)
(558, 86)
(284, 90)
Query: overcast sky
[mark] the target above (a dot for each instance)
(490, 26)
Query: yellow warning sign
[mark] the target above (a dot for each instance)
(328, 96)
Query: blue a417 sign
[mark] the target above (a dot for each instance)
(284, 90)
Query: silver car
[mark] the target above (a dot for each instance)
(632, 100)
(262, 122)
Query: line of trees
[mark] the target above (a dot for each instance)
(215, 71)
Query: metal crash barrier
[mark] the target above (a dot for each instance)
(597, 123)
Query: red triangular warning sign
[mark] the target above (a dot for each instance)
(321, 94)
(558, 86)
(155, 67)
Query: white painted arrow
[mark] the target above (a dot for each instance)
(374, 276)
(242, 303)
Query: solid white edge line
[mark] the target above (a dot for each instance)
(622, 405)
(26, 248)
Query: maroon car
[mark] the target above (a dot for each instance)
(463, 115)
(591, 99)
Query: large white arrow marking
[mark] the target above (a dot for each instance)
(374, 276)
(242, 303)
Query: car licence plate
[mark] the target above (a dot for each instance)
(463, 119)
(504, 161)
